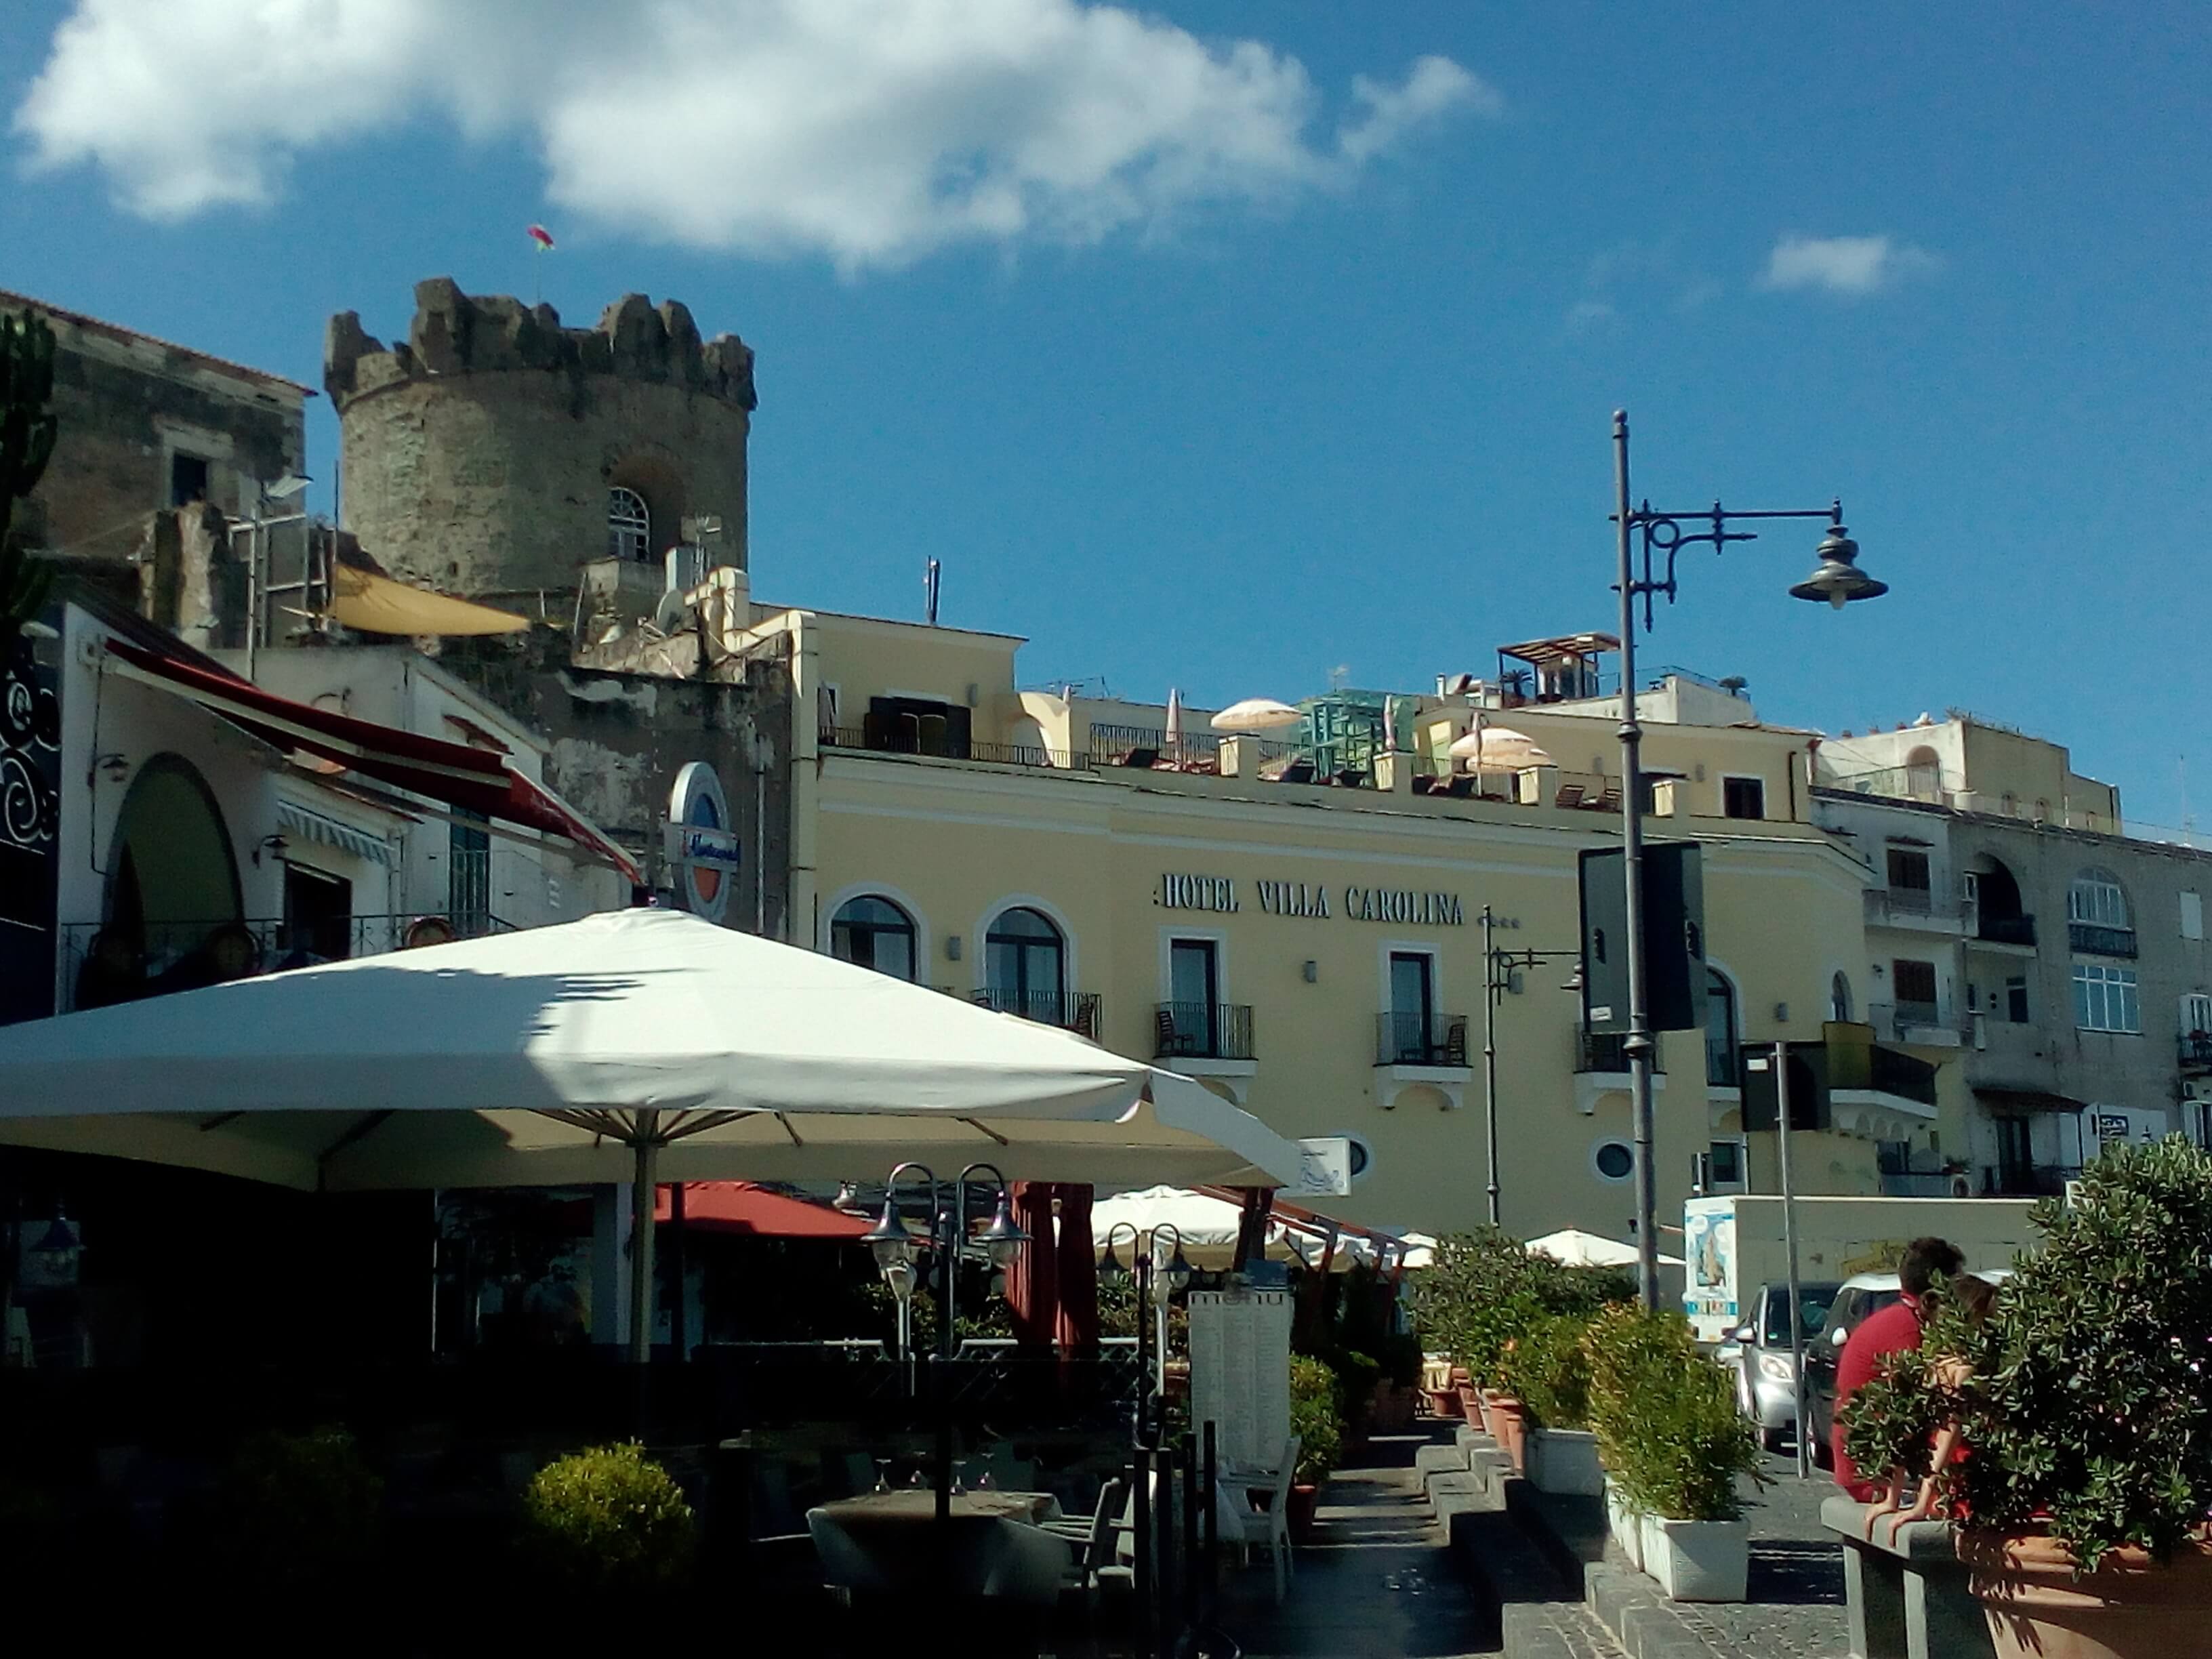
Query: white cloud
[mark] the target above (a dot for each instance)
(870, 131)
(1592, 316)
(1844, 265)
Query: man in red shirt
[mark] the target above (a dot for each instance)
(1926, 1263)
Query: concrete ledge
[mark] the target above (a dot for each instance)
(1502, 1568)
(1438, 1460)
(1906, 1595)
(1637, 1617)
(1453, 1492)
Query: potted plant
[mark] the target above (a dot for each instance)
(1550, 1371)
(1316, 1421)
(2086, 1413)
(1674, 1442)
(608, 1522)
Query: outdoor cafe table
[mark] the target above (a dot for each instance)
(891, 1543)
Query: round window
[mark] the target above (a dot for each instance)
(1613, 1160)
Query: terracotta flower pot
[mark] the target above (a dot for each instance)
(1470, 1404)
(1299, 1516)
(2132, 1608)
(1508, 1429)
(1459, 1375)
(1442, 1403)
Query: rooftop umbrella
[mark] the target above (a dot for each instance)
(638, 1045)
(1498, 749)
(1256, 715)
(1171, 727)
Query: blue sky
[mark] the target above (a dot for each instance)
(1223, 366)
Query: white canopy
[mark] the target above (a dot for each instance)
(517, 1059)
(1576, 1248)
(638, 1045)
(1256, 715)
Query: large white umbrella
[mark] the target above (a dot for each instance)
(1498, 749)
(1208, 1226)
(1256, 715)
(1171, 727)
(635, 1045)
(1576, 1248)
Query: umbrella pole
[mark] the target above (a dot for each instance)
(640, 1241)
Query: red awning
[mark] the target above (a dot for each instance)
(745, 1207)
(472, 779)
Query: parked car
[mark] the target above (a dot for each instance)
(1859, 1296)
(1758, 1351)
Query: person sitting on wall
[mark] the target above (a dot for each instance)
(1926, 1263)
(1975, 1298)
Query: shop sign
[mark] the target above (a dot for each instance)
(702, 848)
(1405, 906)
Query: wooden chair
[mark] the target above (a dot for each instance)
(1272, 1526)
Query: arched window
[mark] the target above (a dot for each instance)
(2095, 900)
(630, 525)
(873, 932)
(1721, 1032)
(1839, 998)
(1025, 965)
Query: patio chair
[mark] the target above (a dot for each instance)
(1091, 1539)
(1272, 1526)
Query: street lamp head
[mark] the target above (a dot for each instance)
(892, 1242)
(1177, 1272)
(1110, 1270)
(1838, 579)
(1003, 1239)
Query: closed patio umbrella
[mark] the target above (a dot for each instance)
(641, 1045)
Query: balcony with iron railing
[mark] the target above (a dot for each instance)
(944, 746)
(2016, 929)
(1417, 1039)
(1918, 908)
(1203, 1031)
(2096, 940)
(1605, 1053)
(1072, 1011)
(2195, 1052)
(2027, 1180)
(99, 964)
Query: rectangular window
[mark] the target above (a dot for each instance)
(188, 479)
(1915, 984)
(2105, 998)
(468, 874)
(2196, 1014)
(2193, 913)
(1909, 879)
(1743, 797)
(318, 914)
(1195, 991)
(1727, 1162)
(1413, 1005)
(2016, 1008)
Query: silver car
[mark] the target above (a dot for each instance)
(1758, 1351)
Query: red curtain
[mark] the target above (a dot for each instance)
(1078, 1274)
(1033, 1282)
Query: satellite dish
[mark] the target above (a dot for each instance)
(672, 613)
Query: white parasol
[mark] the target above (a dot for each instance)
(1256, 715)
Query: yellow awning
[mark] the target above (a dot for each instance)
(363, 600)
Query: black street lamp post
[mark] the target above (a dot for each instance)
(1836, 580)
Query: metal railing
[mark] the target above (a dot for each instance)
(100, 964)
(899, 741)
(1914, 904)
(1417, 1039)
(1886, 1071)
(2004, 930)
(1112, 744)
(1606, 1053)
(1902, 782)
(1203, 1031)
(1072, 1011)
(2194, 1049)
(2100, 940)
(2027, 1180)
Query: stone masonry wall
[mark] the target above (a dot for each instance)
(478, 455)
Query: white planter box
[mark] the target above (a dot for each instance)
(1627, 1524)
(1697, 1560)
(1565, 1460)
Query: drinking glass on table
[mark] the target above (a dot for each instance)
(883, 1474)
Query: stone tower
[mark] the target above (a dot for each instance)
(496, 453)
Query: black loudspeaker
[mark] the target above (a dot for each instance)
(1673, 934)
(1809, 1086)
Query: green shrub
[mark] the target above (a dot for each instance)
(2089, 1402)
(1669, 1428)
(299, 1510)
(1548, 1371)
(1356, 1377)
(1484, 1291)
(608, 1519)
(1890, 1419)
(1315, 1419)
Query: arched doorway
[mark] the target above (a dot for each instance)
(172, 917)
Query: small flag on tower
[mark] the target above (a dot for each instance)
(543, 237)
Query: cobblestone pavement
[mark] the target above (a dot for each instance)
(1378, 1578)
(1796, 1589)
